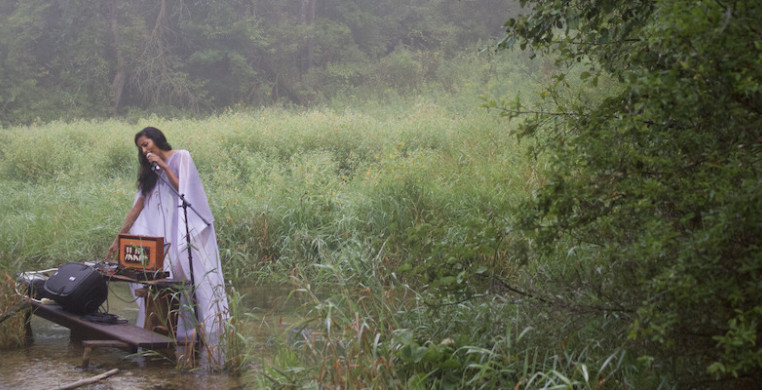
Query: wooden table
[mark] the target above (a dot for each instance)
(82, 329)
(125, 336)
(92, 334)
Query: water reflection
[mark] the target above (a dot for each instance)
(52, 361)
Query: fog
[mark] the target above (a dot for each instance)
(75, 59)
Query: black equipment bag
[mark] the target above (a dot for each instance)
(77, 287)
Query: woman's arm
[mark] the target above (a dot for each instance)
(128, 221)
(172, 178)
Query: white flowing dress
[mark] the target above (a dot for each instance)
(163, 216)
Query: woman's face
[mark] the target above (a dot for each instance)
(146, 145)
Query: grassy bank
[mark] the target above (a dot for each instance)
(289, 190)
(392, 222)
(283, 186)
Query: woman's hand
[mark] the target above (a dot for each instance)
(114, 248)
(154, 158)
(128, 221)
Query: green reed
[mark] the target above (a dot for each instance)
(343, 197)
(390, 221)
(14, 314)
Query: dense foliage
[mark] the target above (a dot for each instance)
(650, 216)
(431, 254)
(331, 203)
(90, 59)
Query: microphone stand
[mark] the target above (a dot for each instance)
(185, 207)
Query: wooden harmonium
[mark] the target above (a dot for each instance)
(141, 253)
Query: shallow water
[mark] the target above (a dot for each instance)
(52, 361)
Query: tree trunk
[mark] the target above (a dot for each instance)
(307, 19)
(117, 84)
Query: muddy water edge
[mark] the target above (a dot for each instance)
(52, 361)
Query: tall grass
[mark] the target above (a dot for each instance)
(390, 220)
(276, 180)
(13, 314)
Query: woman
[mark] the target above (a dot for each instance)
(157, 212)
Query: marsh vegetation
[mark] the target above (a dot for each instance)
(575, 206)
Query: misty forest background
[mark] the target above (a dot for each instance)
(83, 59)
(462, 194)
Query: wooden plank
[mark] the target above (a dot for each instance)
(149, 282)
(105, 343)
(132, 335)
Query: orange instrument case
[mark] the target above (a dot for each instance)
(141, 252)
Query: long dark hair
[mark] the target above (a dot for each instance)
(147, 178)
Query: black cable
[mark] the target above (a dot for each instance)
(104, 318)
(111, 292)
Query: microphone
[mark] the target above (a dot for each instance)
(154, 165)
